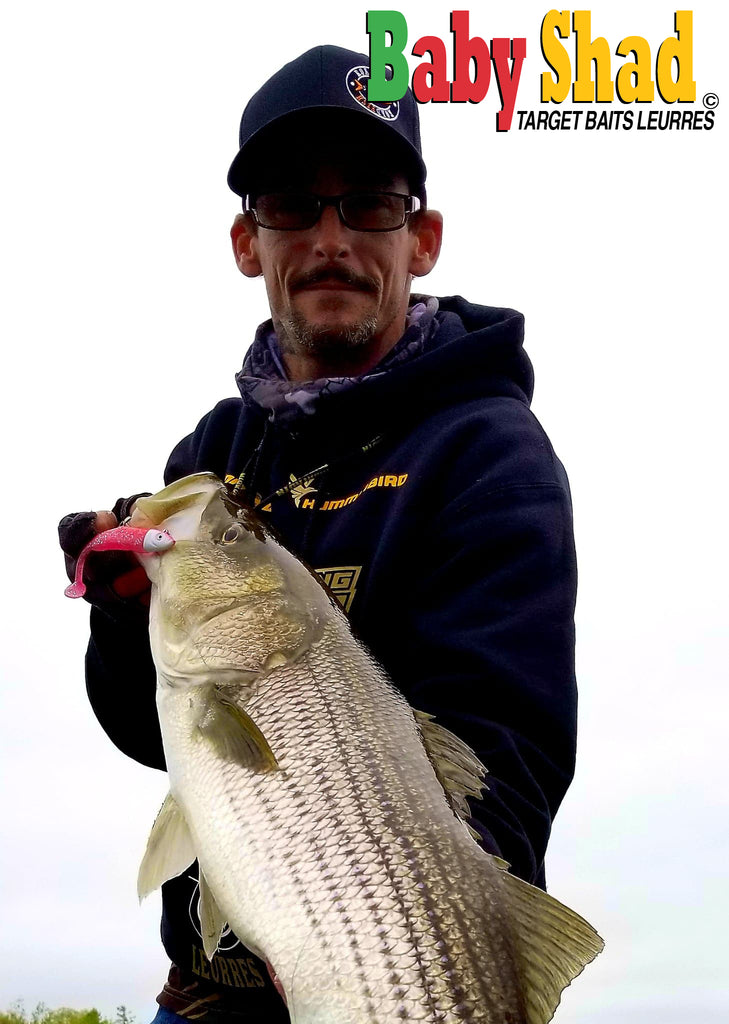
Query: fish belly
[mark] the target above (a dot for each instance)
(346, 868)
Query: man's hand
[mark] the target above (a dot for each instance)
(113, 579)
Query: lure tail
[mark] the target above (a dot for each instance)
(120, 538)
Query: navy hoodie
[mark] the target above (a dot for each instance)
(430, 499)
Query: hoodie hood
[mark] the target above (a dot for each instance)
(452, 350)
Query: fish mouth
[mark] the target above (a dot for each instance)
(179, 506)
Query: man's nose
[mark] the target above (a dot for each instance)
(331, 237)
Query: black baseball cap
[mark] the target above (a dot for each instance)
(325, 77)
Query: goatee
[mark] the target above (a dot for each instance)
(297, 335)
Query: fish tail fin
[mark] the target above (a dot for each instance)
(552, 945)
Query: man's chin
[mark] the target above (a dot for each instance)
(326, 335)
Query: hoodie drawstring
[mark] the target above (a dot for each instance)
(305, 478)
(248, 473)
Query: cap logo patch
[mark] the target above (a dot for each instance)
(357, 88)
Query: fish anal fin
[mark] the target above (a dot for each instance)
(212, 919)
(169, 849)
(456, 766)
(235, 736)
(552, 945)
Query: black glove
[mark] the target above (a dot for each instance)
(115, 581)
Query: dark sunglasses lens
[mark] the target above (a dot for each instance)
(287, 210)
(374, 212)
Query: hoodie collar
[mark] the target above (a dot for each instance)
(263, 382)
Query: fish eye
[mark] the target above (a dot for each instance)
(231, 534)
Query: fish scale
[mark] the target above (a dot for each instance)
(322, 809)
(298, 836)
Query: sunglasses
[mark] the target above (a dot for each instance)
(359, 211)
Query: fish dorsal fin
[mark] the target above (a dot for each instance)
(235, 735)
(457, 768)
(169, 849)
(552, 944)
(212, 919)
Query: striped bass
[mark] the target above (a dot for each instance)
(326, 815)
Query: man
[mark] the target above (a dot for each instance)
(387, 437)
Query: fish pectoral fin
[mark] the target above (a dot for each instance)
(456, 766)
(169, 849)
(212, 919)
(552, 945)
(275, 660)
(236, 737)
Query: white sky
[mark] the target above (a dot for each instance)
(126, 321)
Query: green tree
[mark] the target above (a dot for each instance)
(17, 1014)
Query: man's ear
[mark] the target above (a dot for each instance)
(243, 235)
(426, 227)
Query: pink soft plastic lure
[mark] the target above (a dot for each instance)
(120, 538)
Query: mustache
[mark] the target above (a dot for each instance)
(333, 273)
